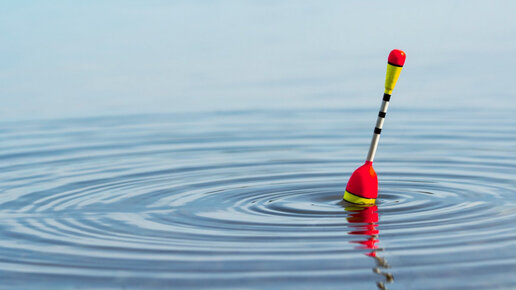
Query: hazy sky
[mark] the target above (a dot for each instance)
(87, 58)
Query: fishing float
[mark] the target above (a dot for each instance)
(362, 187)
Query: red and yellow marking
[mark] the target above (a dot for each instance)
(394, 65)
(350, 197)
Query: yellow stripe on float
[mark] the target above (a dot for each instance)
(393, 73)
(349, 197)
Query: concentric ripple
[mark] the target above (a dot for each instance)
(253, 200)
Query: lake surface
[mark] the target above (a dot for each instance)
(252, 199)
(207, 144)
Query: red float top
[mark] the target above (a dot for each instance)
(397, 57)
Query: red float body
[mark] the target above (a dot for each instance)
(364, 182)
(397, 57)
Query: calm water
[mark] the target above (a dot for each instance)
(207, 144)
(252, 199)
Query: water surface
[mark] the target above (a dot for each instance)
(252, 199)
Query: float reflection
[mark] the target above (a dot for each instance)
(364, 221)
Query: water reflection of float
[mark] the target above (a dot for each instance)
(364, 222)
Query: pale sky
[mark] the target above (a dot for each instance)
(72, 58)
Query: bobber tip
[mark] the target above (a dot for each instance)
(397, 57)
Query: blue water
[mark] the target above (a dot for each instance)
(252, 199)
(207, 144)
